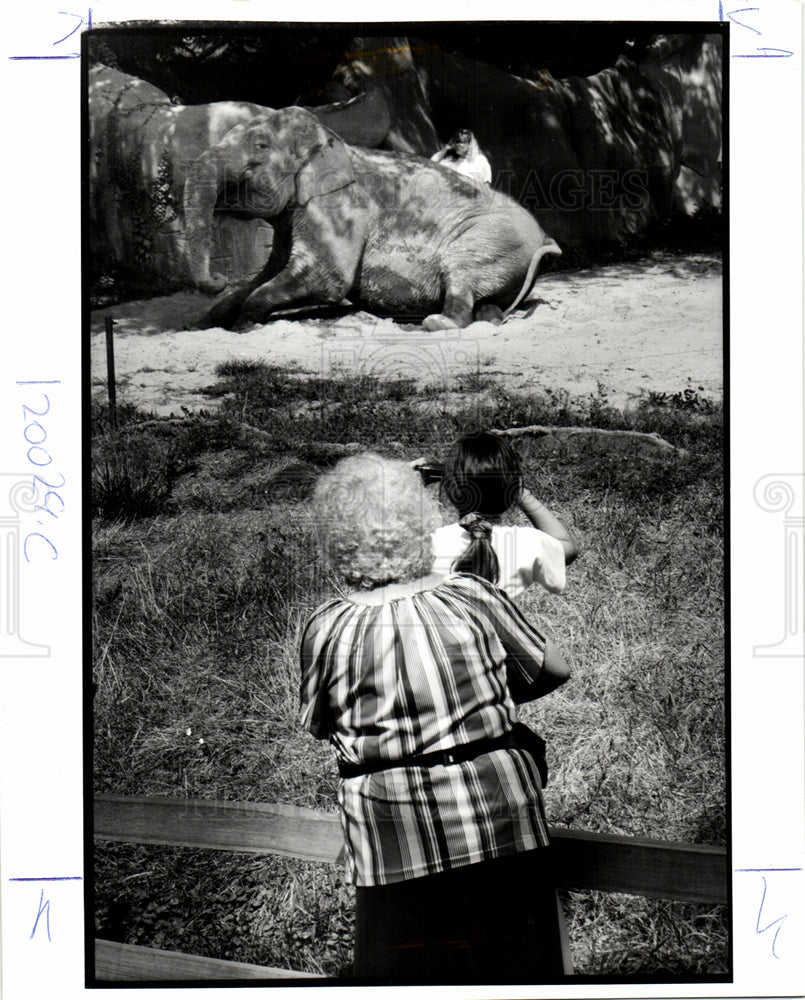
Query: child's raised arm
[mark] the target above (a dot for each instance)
(539, 515)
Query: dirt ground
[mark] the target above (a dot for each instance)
(627, 329)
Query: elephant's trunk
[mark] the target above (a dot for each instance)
(201, 189)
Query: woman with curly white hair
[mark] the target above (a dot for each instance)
(414, 677)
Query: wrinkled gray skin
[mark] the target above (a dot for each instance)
(393, 233)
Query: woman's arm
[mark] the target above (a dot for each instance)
(539, 515)
(525, 686)
(534, 664)
(555, 672)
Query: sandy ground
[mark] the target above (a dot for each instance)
(650, 326)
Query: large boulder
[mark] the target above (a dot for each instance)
(595, 158)
(142, 146)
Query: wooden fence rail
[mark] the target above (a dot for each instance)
(117, 962)
(582, 860)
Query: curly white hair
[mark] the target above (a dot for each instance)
(375, 519)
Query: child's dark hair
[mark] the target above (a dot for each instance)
(479, 558)
(482, 475)
(482, 478)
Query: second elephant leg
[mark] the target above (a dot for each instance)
(457, 308)
(488, 312)
(291, 288)
(225, 312)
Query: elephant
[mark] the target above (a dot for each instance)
(393, 233)
(596, 159)
(142, 145)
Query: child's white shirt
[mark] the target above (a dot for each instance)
(526, 555)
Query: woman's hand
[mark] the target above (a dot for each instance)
(555, 670)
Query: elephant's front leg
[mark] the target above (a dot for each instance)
(321, 265)
(457, 308)
(295, 286)
(226, 312)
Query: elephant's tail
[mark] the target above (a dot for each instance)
(550, 247)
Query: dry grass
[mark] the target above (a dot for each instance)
(198, 610)
(267, 911)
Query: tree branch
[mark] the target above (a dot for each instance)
(651, 439)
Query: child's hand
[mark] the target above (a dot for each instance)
(542, 518)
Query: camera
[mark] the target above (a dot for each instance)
(431, 472)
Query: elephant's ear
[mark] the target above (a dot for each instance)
(328, 168)
(364, 120)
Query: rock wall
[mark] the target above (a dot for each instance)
(141, 145)
(596, 158)
(141, 148)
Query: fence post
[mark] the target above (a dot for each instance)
(110, 372)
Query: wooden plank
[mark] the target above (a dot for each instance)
(583, 860)
(115, 962)
(693, 873)
(251, 827)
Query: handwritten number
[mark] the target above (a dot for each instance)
(743, 10)
(37, 534)
(768, 927)
(68, 55)
(44, 907)
(762, 51)
(49, 486)
(36, 413)
(38, 447)
(44, 506)
(35, 423)
(75, 29)
(35, 433)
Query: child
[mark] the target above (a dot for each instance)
(482, 480)
(463, 154)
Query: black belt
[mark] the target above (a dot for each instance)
(455, 755)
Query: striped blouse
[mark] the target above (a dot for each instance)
(417, 674)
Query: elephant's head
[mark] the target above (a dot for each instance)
(262, 167)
